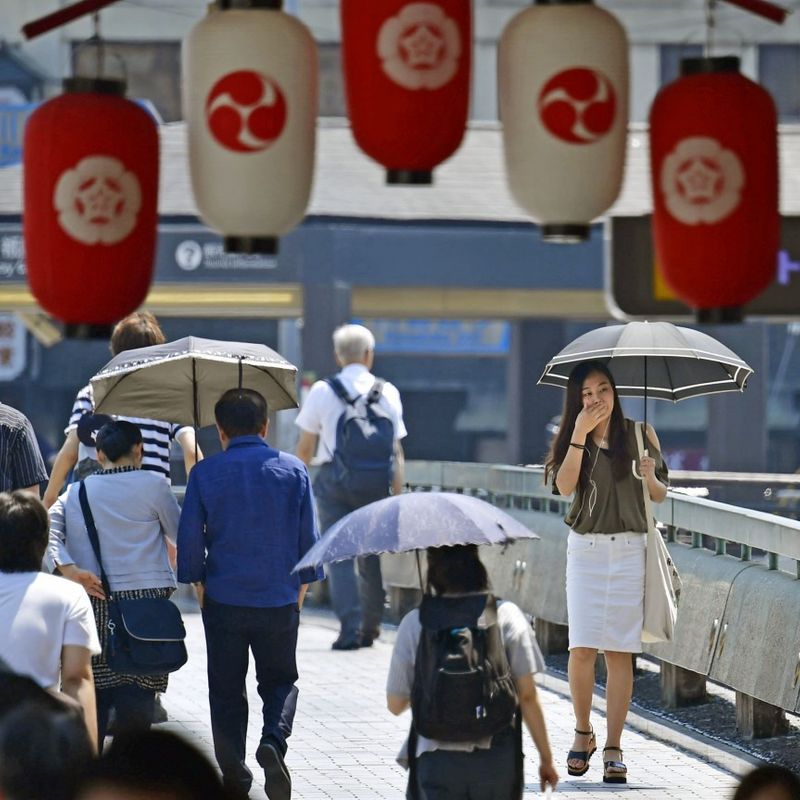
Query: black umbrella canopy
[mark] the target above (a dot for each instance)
(181, 381)
(654, 359)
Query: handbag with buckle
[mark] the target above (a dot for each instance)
(145, 635)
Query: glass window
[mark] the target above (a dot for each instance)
(779, 74)
(670, 59)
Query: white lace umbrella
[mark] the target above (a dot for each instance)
(181, 381)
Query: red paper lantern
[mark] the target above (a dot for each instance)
(714, 165)
(90, 192)
(407, 71)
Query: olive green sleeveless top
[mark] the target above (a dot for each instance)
(617, 505)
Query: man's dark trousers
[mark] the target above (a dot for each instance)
(231, 633)
(357, 600)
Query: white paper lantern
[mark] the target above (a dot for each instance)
(563, 86)
(250, 99)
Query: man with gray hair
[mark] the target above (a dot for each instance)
(351, 425)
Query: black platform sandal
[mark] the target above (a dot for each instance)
(583, 755)
(614, 771)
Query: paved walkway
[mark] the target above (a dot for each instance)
(345, 740)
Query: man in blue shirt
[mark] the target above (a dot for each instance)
(248, 518)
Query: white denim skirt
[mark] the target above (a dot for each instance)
(605, 590)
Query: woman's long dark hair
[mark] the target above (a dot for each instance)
(573, 403)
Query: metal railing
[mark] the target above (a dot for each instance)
(739, 616)
(523, 488)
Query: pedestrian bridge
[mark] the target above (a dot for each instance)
(739, 612)
(738, 627)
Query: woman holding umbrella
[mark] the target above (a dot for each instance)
(591, 458)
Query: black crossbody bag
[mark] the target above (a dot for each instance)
(145, 635)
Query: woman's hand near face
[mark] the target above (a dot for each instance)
(589, 418)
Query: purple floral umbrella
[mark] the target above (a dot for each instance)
(415, 521)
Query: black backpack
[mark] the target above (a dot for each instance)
(364, 457)
(463, 690)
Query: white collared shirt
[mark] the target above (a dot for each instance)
(322, 408)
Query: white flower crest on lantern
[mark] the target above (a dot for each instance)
(701, 181)
(420, 47)
(98, 200)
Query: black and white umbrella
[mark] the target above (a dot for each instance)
(654, 359)
(181, 381)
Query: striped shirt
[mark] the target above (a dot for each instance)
(157, 436)
(21, 463)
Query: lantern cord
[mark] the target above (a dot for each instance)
(711, 8)
(100, 48)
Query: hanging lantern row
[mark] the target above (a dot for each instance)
(250, 94)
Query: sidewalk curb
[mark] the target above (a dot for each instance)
(709, 749)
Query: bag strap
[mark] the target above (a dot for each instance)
(490, 611)
(91, 529)
(341, 392)
(374, 394)
(413, 788)
(648, 503)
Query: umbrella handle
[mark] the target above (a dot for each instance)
(634, 469)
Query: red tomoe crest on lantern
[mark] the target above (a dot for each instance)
(578, 105)
(562, 72)
(714, 167)
(246, 111)
(407, 67)
(251, 121)
(90, 188)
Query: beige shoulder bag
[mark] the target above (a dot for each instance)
(662, 584)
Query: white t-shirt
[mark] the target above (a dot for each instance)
(322, 408)
(39, 614)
